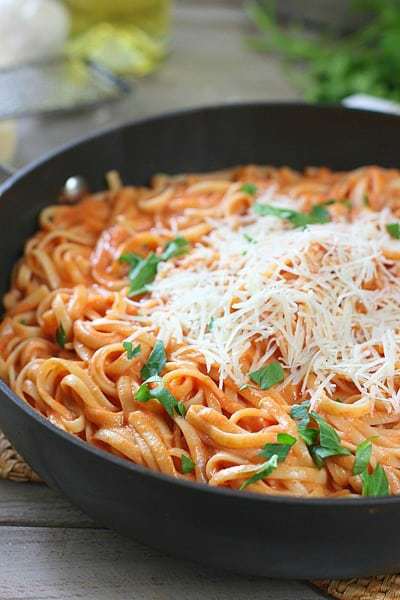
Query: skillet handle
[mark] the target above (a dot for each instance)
(5, 173)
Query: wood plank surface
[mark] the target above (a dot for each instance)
(36, 505)
(56, 564)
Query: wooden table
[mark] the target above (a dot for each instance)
(48, 549)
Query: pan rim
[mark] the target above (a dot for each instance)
(286, 500)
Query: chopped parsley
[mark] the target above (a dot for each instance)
(317, 215)
(164, 397)
(210, 325)
(393, 230)
(156, 361)
(268, 376)
(177, 247)
(363, 456)
(187, 465)
(322, 442)
(143, 274)
(131, 258)
(281, 448)
(266, 469)
(375, 483)
(61, 336)
(249, 188)
(144, 270)
(249, 238)
(131, 352)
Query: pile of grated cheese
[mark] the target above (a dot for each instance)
(304, 292)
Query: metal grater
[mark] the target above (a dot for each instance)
(57, 86)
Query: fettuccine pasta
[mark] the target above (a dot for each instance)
(239, 328)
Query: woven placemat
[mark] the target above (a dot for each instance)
(13, 466)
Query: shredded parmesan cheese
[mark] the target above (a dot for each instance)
(327, 297)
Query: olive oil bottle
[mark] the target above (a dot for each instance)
(126, 36)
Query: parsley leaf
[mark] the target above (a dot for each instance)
(180, 408)
(363, 456)
(210, 325)
(143, 393)
(187, 465)
(249, 238)
(144, 270)
(266, 469)
(375, 483)
(131, 258)
(164, 396)
(318, 214)
(61, 336)
(249, 188)
(328, 437)
(268, 376)
(177, 247)
(329, 442)
(322, 442)
(281, 449)
(130, 351)
(393, 230)
(143, 274)
(300, 413)
(156, 361)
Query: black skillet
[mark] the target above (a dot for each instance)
(277, 537)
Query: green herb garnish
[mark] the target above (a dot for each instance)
(363, 456)
(187, 465)
(130, 258)
(249, 188)
(322, 442)
(393, 230)
(61, 336)
(281, 449)
(266, 469)
(131, 352)
(164, 396)
(177, 247)
(317, 215)
(268, 376)
(329, 442)
(211, 324)
(300, 413)
(375, 483)
(144, 270)
(249, 238)
(156, 361)
(143, 274)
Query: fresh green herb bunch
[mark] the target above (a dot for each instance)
(366, 61)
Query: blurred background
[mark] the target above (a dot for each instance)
(69, 67)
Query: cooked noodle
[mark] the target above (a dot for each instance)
(240, 291)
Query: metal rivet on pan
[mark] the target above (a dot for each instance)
(75, 188)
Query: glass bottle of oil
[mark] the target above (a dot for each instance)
(126, 36)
